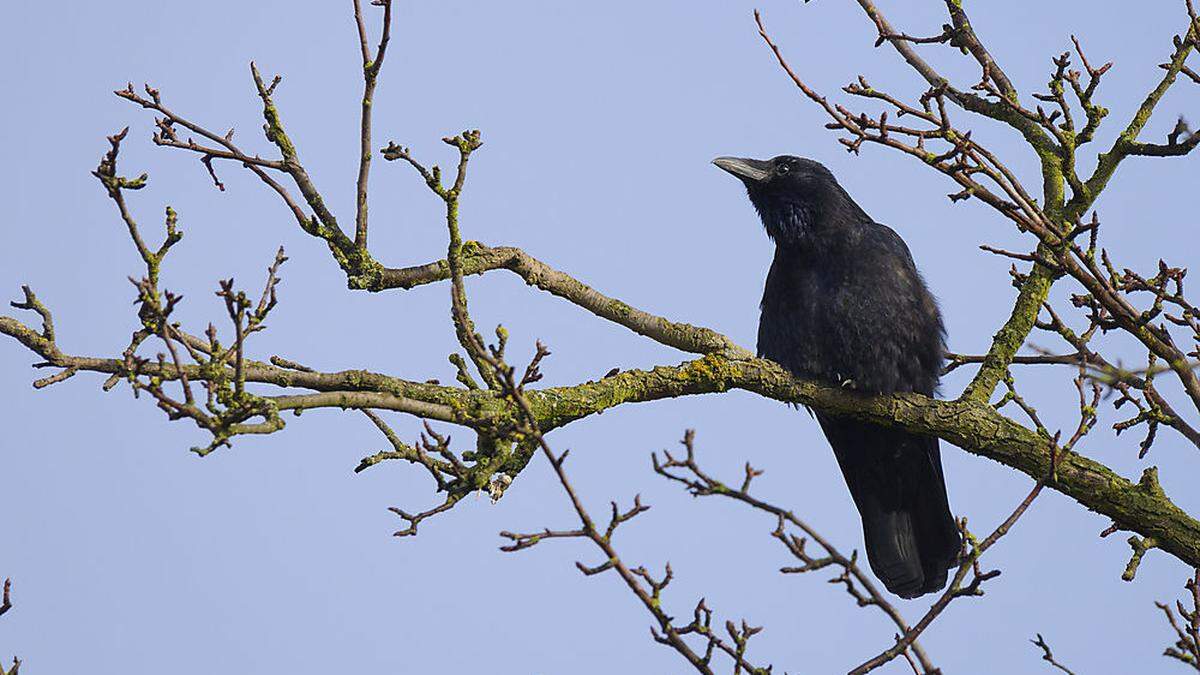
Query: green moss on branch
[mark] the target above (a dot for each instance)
(971, 425)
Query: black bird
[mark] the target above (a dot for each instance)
(844, 304)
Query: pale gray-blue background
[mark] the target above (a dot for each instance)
(129, 554)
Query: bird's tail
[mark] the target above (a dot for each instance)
(896, 480)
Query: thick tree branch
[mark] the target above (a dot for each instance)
(971, 425)
(478, 259)
(974, 426)
(1011, 336)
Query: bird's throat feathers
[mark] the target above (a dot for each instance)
(786, 222)
(819, 220)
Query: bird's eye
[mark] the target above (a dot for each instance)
(783, 168)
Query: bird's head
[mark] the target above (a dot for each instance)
(792, 195)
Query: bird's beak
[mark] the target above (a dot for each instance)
(749, 170)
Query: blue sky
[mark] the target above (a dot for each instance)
(129, 553)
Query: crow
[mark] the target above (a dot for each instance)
(844, 304)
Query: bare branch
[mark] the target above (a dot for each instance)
(1048, 656)
(371, 66)
(1126, 143)
(478, 259)
(1186, 649)
(644, 586)
(856, 583)
(6, 599)
(972, 551)
(5, 606)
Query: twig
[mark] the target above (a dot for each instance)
(972, 551)
(371, 66)
(6, 599)
(1048, 656)
(1186, 649)
(856, 583)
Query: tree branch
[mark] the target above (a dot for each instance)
(972, 551)
(856, 583)
(371, 66)
(478, 259)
